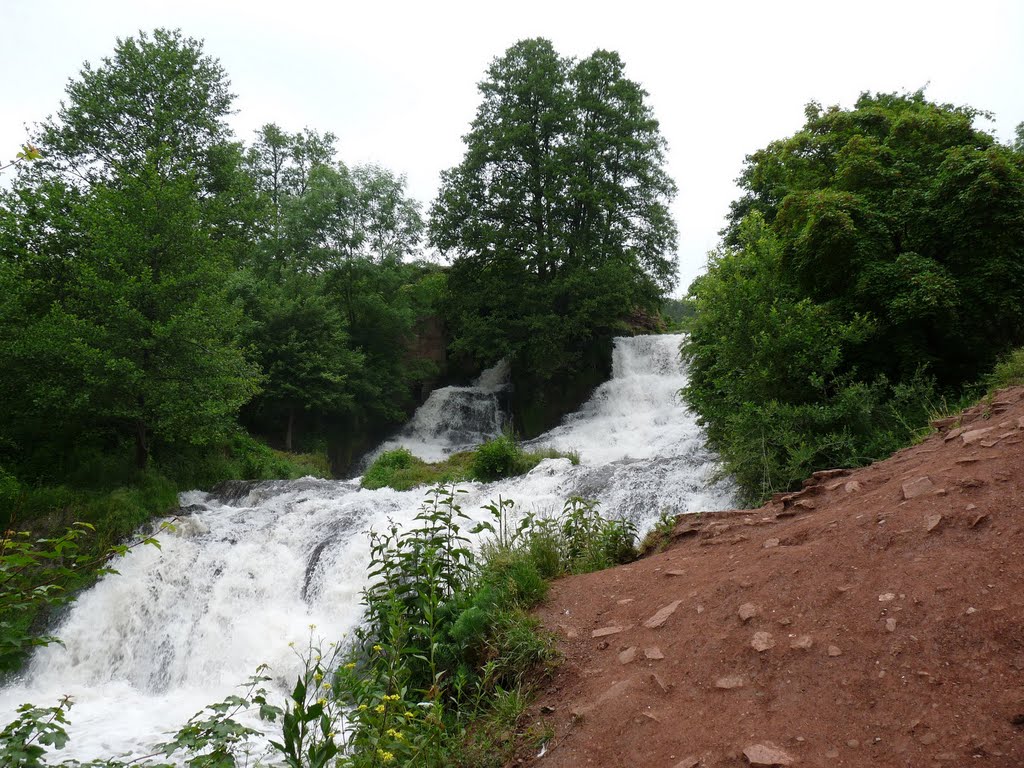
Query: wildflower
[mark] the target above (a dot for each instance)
(378, 648)
(391, 697)
(396, 735)
(318, 676)
(385, 756)
(409, 715)
(350, 665)
(327, 685)
(379, 709)
(362, 707)
(322, 702)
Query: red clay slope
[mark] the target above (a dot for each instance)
(874, 619)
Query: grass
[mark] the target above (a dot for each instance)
(502, 457)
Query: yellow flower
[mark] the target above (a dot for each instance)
(377, 648)
(396, 735)
(350, 665)
(410, 715)
(379, 709)
(362, 707)
(385, 757)
(322, 702)
(327, 685)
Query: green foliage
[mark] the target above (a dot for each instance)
(557, 218)
(495, 459)
(855, 288)
(1008, 372)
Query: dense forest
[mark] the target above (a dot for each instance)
(176, 300)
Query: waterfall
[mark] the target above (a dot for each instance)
(247, 571)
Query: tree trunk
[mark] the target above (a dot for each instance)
(290, 430)
(141, 446)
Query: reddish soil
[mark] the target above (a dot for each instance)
(889, 611)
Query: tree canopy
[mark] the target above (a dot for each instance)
(557, 218)
(877, 251)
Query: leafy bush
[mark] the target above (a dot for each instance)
(498, 458)
(495, 459)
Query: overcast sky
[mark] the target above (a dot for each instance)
(396, 81)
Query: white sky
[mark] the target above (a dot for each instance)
(396, 81)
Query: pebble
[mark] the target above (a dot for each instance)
(919, 486)
(803, 642)
(888, 597)
(835, 650)
(767, 756)
(627, 655)
(762, 641)
(654, 653)
(771, 543)
(605, 631)
(890, 625)
(729, 682)
(659, 618)
(747, 611)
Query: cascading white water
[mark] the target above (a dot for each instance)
(248, 573)
(454, 418)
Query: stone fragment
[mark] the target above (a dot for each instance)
(762, 642)
(688, 762)
(975, 435)
(605, 631)
(747, 611)
(767, 756)
(832, 754)
(662, 615)
(801, 643)
(805, 504)
(658, 682)
(919, 486)
(653, 653)
(977, 519)
(835, 650)
(627, 655)
(771, 543)
(928, 738)
(852, 743)
(675, 573)
(890, 625)
(729, 682)
(852, 487)
(949, 421)
(625, 601)
(886, 597)
(931, 522)
(953, 434)
(989, 443)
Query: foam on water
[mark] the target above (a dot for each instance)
(247, 573)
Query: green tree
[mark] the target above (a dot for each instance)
(873, 262)
(557, 218)
(118, 245)
(902, 209)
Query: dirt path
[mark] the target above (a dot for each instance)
(874, 619)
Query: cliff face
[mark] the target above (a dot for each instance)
(874, 619)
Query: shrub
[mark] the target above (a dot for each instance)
(498, 458)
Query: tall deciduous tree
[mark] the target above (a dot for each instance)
(122, 241)
(557, 218)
